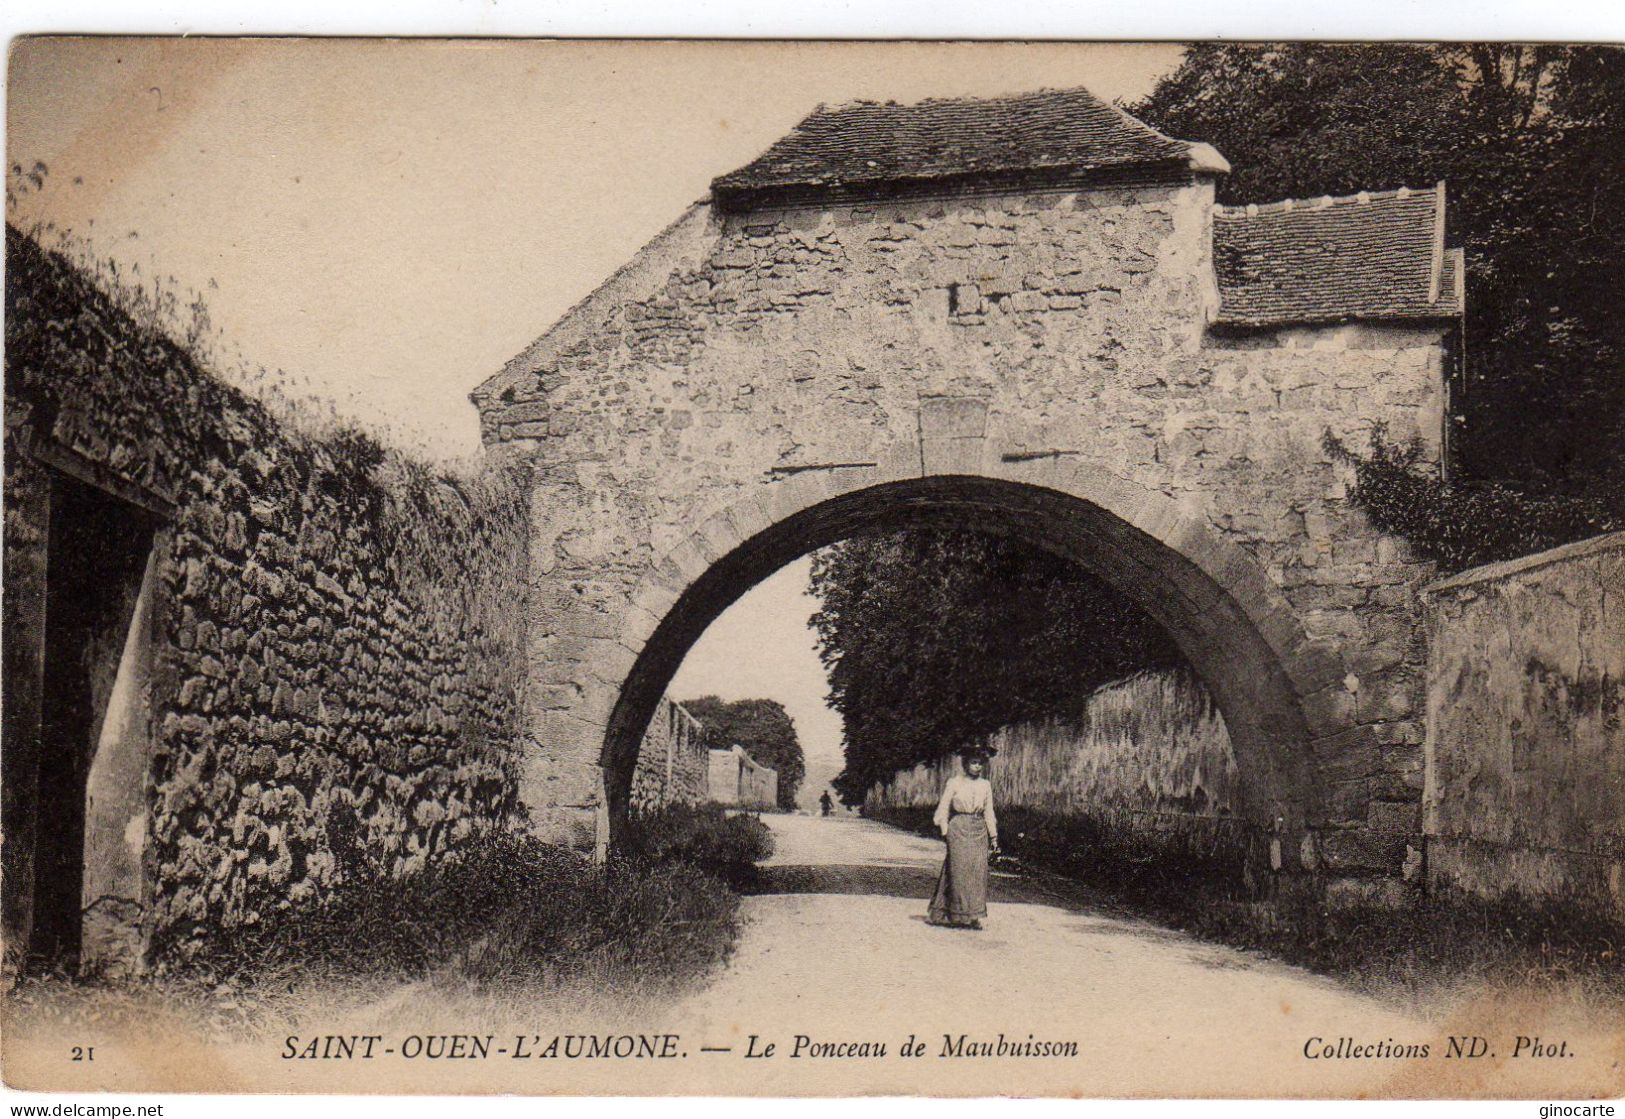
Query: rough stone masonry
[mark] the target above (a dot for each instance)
(248, 660)
(672, 764)
(1025, 314)
(244, 665)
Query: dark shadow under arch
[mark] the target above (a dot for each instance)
(1268, 730)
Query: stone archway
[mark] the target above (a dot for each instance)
(1268, 679)
(1130, 358)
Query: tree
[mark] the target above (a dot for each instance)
(763, 728)
(1461, 526)
(1531, 142)
(935, 638)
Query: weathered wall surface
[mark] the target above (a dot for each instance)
(737, 778)
(758, 785)
(672, 764)
(1526, 724)
(337, 633)
(27, 498)
(735, 353)
(1152, 747)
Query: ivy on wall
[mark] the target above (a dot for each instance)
(1462, 525)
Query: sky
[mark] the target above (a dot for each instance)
(761, 646)
(386, 222)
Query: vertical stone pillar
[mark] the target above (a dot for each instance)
(584, 557)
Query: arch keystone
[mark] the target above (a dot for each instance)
(898, 462)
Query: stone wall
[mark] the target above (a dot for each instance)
(744, 368)
(1152, 749)
(738, 779)
(672, 764)
(1526, 725)
(334, 635)
(758, 785)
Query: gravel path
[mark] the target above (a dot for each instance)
(837, 950)
(836, 961)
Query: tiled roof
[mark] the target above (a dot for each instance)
(870, 147)
(1367, 256)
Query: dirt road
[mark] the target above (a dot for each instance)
(837, 951)
(834, 977)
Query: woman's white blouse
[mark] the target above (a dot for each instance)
(967, 794)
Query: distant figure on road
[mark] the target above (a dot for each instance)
(966, 819)
(826, 803)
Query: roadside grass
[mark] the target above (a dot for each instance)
(1438, 947)
(507, 925)
(726, 844)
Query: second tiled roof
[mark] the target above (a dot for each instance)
(1367, 256)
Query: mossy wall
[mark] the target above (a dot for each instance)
(337, 647)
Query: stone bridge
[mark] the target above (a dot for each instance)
(1025, 315)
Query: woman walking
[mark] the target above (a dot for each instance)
(966, 820)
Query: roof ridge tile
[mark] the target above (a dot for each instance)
(1372, 255)
(1248, 209)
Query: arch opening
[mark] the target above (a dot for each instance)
(1222, 643)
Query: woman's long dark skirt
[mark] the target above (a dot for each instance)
(961, 895)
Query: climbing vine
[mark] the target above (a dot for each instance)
(1463, 525)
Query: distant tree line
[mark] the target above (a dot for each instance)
(763, 728)
(934, 638)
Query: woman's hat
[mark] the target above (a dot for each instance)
(983, 752)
